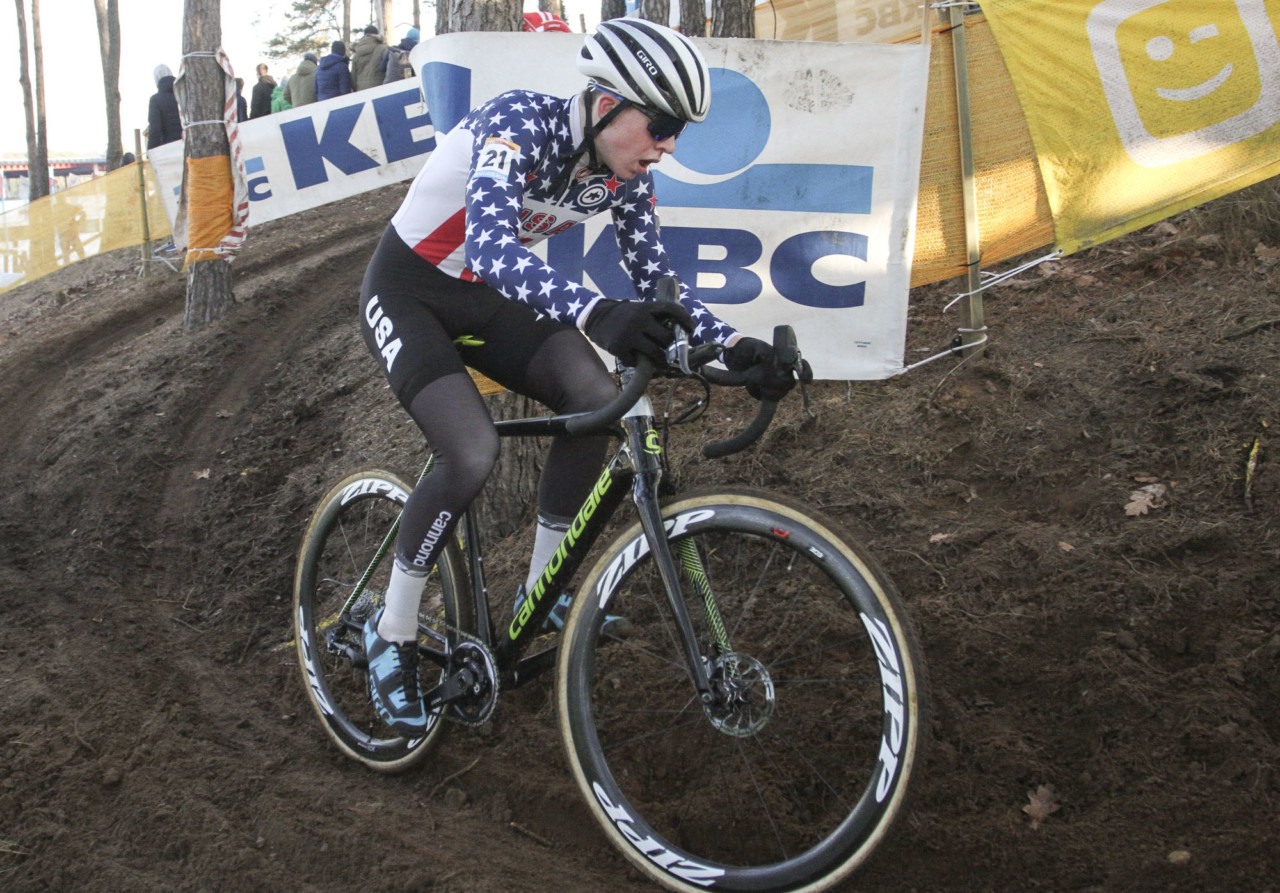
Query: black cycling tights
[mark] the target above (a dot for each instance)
(565, 375)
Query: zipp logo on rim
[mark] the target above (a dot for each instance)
(891, 685)
(639, 547)
(372, 485)
(655, 852)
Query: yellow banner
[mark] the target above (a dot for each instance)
(1142, 108)
(93, 217)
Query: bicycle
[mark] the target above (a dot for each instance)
(756, 727)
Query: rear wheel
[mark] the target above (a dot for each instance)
(792, 772)
(350, 539)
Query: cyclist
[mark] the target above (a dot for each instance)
(453, 284)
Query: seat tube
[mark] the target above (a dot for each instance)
(646, 451)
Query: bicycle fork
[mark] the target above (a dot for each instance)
(646, 452)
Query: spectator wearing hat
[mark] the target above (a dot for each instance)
(333, 78)
(164, 122)
(365, 58)
(395, 61)
(301, 88)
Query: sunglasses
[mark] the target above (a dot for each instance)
(661, 125)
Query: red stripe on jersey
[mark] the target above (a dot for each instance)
(445, 240)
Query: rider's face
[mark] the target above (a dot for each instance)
(625, 145)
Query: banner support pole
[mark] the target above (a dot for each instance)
(972, 317)
(142, 198)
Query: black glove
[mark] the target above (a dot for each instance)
(767, 379)
(628, 329)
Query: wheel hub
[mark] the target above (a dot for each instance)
(746, 699)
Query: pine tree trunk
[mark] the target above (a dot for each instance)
(40, 163)
(203, 98)
(733, 18)
(109, 46)
(509, 495)
(612, 9)
(656, 11)
(693, 18)
(483, 15)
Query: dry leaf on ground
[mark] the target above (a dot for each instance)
(1044, 803)
(1144, 499)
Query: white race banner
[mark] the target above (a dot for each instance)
(306, 157)
(793, 202)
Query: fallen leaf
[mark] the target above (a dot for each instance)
(1043, 803)
(1066, 547)
(223, 414)
(941, 537)
(1145, 499)
(202, 474)
(1267, 254)
(1180, 857)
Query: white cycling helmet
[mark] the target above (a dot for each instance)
(649, 65)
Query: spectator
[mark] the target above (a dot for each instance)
(301, 88)
(332, 75)
(164, 122)
(365, 58)
(545, 21)
(395, 61)
(278, 102)
(242, 107)
(260, 104)
(127, 158)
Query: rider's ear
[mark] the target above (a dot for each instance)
(604, 104)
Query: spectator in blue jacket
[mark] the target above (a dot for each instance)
(333, 77)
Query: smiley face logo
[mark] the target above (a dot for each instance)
(1183, 78)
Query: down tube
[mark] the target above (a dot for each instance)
(610, 489)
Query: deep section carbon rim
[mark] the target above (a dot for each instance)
(793, 774)
(346, 534)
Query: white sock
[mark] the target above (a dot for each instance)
(545, 542)
(399, 621)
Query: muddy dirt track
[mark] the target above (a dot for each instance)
(1124, 664)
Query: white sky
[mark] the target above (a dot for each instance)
(150, 33)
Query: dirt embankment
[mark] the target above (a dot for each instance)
(1121, 650)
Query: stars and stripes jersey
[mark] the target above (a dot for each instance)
(501, 180)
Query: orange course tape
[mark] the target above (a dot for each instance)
(210, 195)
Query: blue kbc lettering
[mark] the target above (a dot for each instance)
(308, 150)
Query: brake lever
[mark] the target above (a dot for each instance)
(678, 351)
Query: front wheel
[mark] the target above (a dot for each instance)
(348, 548)
(790, 772)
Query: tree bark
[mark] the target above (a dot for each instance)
(203, 97)
(733, 18)
(417, 14)
(109, 47)
(346, 21)
(40, 163)
(555, 7)
(693, 18)
(656, 11)
(612, 9)
(481, 15)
